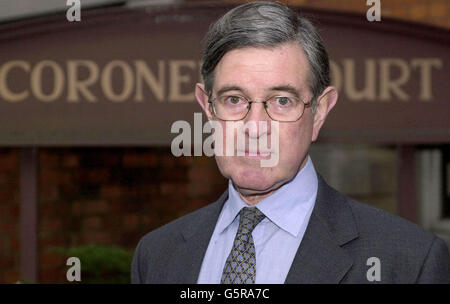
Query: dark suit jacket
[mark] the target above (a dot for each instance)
(341, 236)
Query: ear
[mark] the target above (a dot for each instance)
(325, 102)
(202, 99)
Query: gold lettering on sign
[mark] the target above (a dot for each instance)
(200, 77)
(177, 79)
(157, 85)
(369, 90)
(75, 86)
(389, 85)
(128, 80)
(5, 93)
(368, 80)
(36, 80)
(425, 65)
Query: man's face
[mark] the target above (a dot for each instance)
(259, 73)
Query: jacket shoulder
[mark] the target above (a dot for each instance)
(156, 248)
(372, 220)
(174, 228)
(405, 250)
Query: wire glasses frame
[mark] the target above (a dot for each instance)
(264, 102)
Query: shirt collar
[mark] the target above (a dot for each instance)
(287, 207)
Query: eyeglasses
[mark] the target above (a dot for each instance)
(237, 107)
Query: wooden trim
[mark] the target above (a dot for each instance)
(407, 188)
(101, 16)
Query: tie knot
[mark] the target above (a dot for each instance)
(250, 217)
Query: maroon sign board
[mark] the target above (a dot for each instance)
(123, 76)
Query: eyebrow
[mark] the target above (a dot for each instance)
(285, 88)
(229, 88)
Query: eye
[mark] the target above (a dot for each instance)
(233, 100)
(282, 101)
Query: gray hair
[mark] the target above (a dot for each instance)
(265, 24)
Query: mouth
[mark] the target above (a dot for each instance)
(255, 154)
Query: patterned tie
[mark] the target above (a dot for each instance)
(240, 267)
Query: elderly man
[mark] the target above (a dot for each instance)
(280, 223)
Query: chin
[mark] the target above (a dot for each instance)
(249, 176)
(253, 180)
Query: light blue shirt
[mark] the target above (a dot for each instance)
(277, 237)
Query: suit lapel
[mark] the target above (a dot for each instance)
(188, 257)
(320, 258)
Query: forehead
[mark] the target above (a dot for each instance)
(256, 69)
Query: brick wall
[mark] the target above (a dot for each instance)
(9, 215)
(109, 196)
(433, 12)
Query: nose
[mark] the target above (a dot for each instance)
(255, 119)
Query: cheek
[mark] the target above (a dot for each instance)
(228, 165)
(225, 165)
(294, 143)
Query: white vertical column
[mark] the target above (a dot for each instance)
(430, 187)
